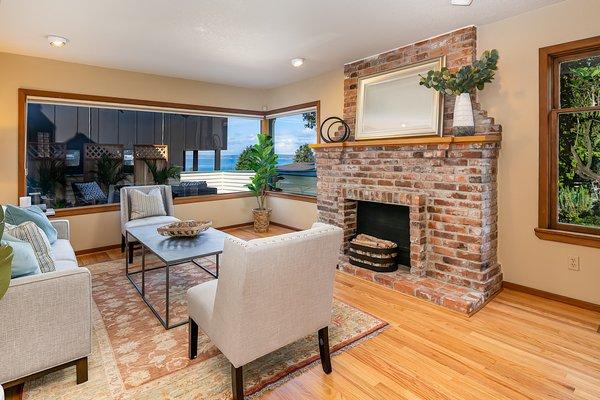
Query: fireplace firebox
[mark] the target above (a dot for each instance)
(389, 222)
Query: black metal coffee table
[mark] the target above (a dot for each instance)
(171, 251)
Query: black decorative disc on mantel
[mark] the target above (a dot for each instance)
(341, 133)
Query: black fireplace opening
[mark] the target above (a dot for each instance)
(386, 221)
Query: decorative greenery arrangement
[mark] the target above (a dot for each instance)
(244, 161)
(6, 256)
(109, 171)
(51, 174)
(466, 79)
(304, 154)
(264, 164)
(161, 176)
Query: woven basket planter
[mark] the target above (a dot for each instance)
(261, 220)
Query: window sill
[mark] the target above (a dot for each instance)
(102, 208)
(581, 239)
(293, 196)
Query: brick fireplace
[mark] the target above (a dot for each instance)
(448, 184)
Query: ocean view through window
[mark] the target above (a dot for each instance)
(292, 133)
(82, 154)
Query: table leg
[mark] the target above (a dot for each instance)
(126, 253)
(167, 297)
(143, 270)
(217, 266)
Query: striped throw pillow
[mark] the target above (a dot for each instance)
(146, 205)
(32, 234)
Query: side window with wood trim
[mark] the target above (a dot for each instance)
(570, 138)
(293, 131)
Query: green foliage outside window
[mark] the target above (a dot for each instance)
(304, 154)
(161, 176)
(579, 143)
(244, 161)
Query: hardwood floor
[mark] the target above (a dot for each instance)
(519, 346)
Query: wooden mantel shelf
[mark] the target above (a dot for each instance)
(413, 140)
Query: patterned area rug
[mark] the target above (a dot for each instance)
(134, 357)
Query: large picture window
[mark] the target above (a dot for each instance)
(293, 132)
(570, 142)
(81, 154)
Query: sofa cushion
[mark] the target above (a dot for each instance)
(17, 215)
(146, 205)
(63, 251)
(24, 261)
(65, 265)
(165, 219)
(32, 234)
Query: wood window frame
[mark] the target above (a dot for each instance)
(267, 129)
(24, 94)
(549, 108)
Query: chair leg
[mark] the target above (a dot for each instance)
(81, 368)
(237, 383)
(122, 244)
(324, 349)
(193, 339)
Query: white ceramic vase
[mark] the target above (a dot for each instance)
(463, 123)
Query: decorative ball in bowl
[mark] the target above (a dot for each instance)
(184, 228)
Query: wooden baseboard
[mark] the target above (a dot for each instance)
(552, 296)
(285, 226)
(97, 249)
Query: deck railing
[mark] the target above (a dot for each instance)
(224, 181)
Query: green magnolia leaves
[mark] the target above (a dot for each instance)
(6, 256)
(466, 79)
(263, 161)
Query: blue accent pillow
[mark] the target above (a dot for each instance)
(17, 215)
(24, 261)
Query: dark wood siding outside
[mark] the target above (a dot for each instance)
(128, 127)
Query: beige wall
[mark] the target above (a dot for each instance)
(513, 100)
(328, 88)
(103, 229)
(294, 213)
(96, 230)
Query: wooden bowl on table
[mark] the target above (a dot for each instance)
(189, 228)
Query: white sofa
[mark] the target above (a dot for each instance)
(270, 292)
(45, 319)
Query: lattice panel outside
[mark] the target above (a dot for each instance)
(95, 151)
(47, 150)
(151, 152)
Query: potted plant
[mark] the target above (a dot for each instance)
(109, 172)
(460, 84)
(161, 176)
(264, 164)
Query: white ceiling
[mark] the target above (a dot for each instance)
(238, 42)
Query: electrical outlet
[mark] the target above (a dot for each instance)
(574, 263)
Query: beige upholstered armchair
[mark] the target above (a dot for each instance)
(127, 222)
(270, 292)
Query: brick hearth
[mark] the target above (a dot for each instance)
(448, 183)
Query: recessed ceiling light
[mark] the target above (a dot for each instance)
(297, 62)
(57, 41)
(461, 2)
